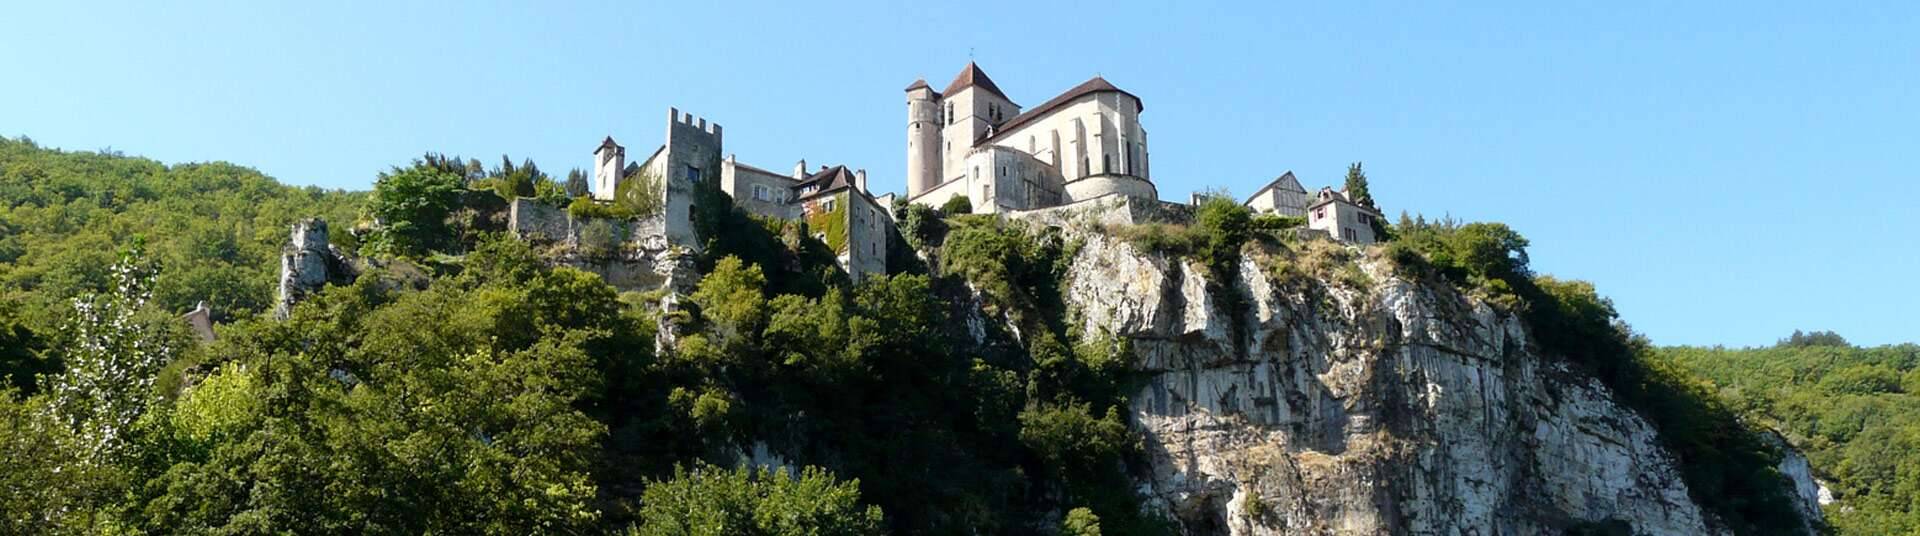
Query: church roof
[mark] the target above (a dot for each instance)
(972, 76)
(1091, 86)
(608, 143)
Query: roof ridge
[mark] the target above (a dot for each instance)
(973, 76)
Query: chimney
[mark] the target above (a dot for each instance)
(860, 180)
(800, 169)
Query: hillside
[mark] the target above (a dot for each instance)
(1206, 371)
(1854, 411)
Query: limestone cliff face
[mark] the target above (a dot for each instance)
(1378, 406)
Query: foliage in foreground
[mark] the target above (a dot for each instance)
(711, 501)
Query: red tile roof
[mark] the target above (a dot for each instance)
(972, 76)
(1091, 86)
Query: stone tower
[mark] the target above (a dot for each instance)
(923, 138)
(970, 108)
(609, 161)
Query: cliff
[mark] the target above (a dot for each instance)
(1367, 403)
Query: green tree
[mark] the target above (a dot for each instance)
(577, 184)
(23, 354)
(1356, 187)
(710, 501)
(113, 359)
(1080, 522)
(409, 208)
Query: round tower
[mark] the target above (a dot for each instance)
(923, 138)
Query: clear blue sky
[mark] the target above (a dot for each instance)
(1726, 173)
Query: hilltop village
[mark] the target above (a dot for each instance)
(966, 144)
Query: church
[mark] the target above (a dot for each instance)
(971, 140)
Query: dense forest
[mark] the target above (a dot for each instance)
(464, 384)
(1855, 413)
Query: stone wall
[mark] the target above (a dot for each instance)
(1100, 185)
(534, 221)
(1112, 209)
(868, 225)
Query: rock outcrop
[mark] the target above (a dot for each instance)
(307, 264)
(1374, 405)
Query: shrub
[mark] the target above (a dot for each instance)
(710, 501)
(601, 239)
(586, 207)
(1080, 522)
(641, 195)
(1269, 223)
(957, 205)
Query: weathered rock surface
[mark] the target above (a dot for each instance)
(308, 263)
(1398, 408)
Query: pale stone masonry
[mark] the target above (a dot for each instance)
(1333, 213)
(970, 140)
(691, 154)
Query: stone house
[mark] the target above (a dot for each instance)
(1283, 196)
(1337, 215)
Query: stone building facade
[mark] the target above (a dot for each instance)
(1283, 196)
(1337, 215)
(972, 141)
(834, 201)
